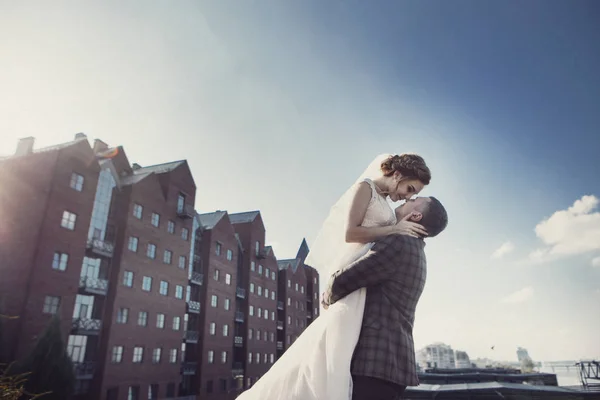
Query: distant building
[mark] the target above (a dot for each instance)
(437, 355)
(462, 359)
(522, 355)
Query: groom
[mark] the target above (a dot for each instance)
(394, 272)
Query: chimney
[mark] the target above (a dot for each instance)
(80, 135)
(25, 146)
(136, 166)
(99, 146)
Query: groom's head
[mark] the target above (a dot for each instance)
(427, 211)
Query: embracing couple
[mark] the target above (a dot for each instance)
(362, 347)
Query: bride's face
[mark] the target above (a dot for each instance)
(405, 188)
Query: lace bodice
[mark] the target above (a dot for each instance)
(379, 212)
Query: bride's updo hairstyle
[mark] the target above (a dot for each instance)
(410, 166)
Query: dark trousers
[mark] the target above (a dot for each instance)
(367, 388)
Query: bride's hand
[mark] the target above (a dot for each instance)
(406, 227)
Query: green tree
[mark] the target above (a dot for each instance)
(49, 366)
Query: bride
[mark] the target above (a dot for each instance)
(317, 365)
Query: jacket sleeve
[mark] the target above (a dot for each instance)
(376, 267)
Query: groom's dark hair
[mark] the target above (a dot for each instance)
(435, 217)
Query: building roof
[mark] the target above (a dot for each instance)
(159, 168)
(291, 263)
(54, 147)
(209, 220)
(487, 386)
(132, 179)
(243, 217)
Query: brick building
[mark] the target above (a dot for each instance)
(105, 246)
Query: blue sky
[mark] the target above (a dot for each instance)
(279, 106)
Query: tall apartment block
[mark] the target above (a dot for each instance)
(156, 301)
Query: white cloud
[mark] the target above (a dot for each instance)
(573, 231)
(519, 296)
(596, 262)
(504, 249)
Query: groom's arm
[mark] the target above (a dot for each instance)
(375, 268)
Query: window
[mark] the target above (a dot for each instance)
(297, 305)
(176, 323)
(76, 182)
(272, 275)
(128, 278)
(214, 300)
(251, 287)
(258, 334)
(68, 220)
(272, 337)
(143, 318)
(211, 356)
(272, 315)
(112, 393)
(259, 291)
(251, 311)
(289, 283)
(138, 354)
(209, 386)
(266, 314)
(153, 391)
(160, 321)
(117, 354)
(266, 293)
(272, 360)
(155, 220)
(229, 255)
(223, 357)
(272, 295)
(250, 332)
(265, 358)
(227, 304)
(252, 266)
(228, 279)
(267, 272)
(147, 284)
(212, 329)
(137, 211)
(218, 248)
(179, 292)
(185, 233)
(171, 227)
(173, 356)
(259, 312)
(225, 330)
(182, 262)
(289, 320)
(223, 385)
(60, 260)
(132, 245)
(133, 393)
(315, 281)
(289, 339)
(216, 275)
(296, 287)
(168, 257)
(250, 358)
(302, 289)
(164, 288)
(260, 269)
(289, 302)
(180, 203)
(151, 251)
(122, 315)
(51, 304)
(257, 358)
(156, 355)
(257, 248)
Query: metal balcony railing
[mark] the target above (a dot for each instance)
(191, 336)
(84, 370)
(280, 305)
(279, 324)
(189, 368)
(186, 211)
(193, 307)
(86, 326)
(238, 368)
(93, 285)
(100, 247)
(239, 316)
(279, 345)
(238, 341)
(240, 293)
(196, 278)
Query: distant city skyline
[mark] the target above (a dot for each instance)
(279, 106)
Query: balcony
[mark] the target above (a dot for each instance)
(240, 293)
(191, 336)
(279, 345)
(239, 316)
(100, 248)
(280, 325)
(193, 307)
(186, 211)
(86, 326)
(93, 285)
(309, 316)
(280, 305)
(197, 278)
(189, 368)
(238, 369)
(84, 370)
(238, 341)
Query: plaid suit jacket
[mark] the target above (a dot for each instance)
(394, 273)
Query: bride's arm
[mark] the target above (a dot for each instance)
(355, 233)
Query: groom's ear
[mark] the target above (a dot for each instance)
(416, 216)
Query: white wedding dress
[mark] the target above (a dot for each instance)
(317, 365)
